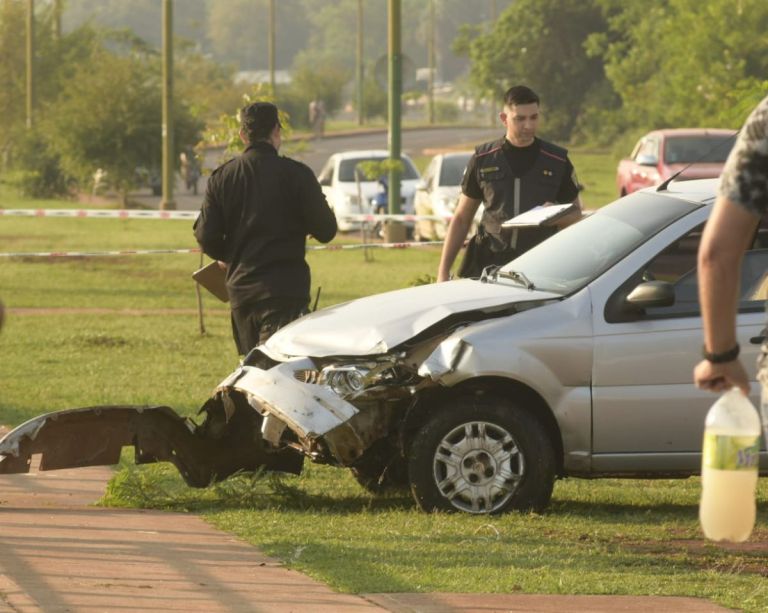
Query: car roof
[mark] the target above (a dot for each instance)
(667, 132)
(363, 153)
(454, 154)
(703, 191)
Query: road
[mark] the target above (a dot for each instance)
(314, 153)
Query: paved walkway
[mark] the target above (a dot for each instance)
(59, 554)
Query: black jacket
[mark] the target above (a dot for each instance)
(258, 210)
(507, 194)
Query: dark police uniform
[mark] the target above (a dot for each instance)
(258, 210)
(511, 180)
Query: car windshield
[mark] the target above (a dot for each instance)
(347, 168)
(712, 148)
(452, 169)
(580, 253)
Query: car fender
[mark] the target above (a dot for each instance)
(528, 349)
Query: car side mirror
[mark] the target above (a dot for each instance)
(421, 185)
(325, 181)
(647, 160)
(651, 294)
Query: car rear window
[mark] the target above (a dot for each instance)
(712, 148)
(347, 168)
(452, 170)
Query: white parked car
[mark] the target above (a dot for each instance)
(340, 185)
(573, 360)
(438, 193)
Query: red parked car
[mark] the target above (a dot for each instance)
(699, 152)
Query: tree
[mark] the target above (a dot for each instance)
(109, 116)
(684, 62)
(540, 43)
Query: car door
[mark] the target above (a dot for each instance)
(647, 413)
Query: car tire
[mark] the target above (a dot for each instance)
(482, 455)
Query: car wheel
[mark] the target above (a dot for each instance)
(482, 455)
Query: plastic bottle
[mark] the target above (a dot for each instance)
(729, 468)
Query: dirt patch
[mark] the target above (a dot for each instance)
(4, 430)
(751, 555)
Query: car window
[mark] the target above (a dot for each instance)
(326, 174)
(677, 265)
(648, 153)
(574, 256)
(713, 148)
(452, 170)
(347, 168)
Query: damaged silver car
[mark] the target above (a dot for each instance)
(574, 359)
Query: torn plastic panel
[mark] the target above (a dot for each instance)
(95, 436)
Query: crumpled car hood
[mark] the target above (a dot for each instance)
(376, 324)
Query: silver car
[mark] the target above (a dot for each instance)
(575, 359)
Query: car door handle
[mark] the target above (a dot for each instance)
(758, 340)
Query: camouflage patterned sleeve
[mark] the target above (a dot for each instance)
(745, 176)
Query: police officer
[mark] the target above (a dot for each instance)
(258, 210)
(510, 175)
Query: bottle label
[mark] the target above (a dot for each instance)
(730, 452)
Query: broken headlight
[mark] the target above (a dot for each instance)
(345, 380)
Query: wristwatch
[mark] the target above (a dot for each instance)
(723, 357)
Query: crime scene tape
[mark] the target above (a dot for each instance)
(104, 213)
(84, 254)
(188, 215)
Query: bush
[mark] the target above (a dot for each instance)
(35, 169)
(446, 112)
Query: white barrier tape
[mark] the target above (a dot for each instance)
(373, 246)
(84, 254)
(104, 213)
(189, 215)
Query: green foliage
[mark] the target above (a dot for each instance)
(226, 131)
(109, 116)
(678, 63)
(540, 43)
(38, 173)
(446, 112)
(374, 97)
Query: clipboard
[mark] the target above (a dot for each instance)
(213, 278)
(542, 215)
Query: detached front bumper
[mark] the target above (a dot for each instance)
(323, 422)
(95, 436)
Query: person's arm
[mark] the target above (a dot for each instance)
(726, 236)
(209, 227)
(456, 233)
(320, 220)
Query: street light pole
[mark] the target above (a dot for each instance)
(272, 45)
(395, 232)
(431, 62)
(359, 62)
(167, 202)
(30, 62)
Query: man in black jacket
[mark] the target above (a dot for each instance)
(258, 210)
(510, 176)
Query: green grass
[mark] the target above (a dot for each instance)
(81, 347)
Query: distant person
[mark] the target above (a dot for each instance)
(317, 117)
(741, 202)
(190, 169)
(258, 210)
(510, 175)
